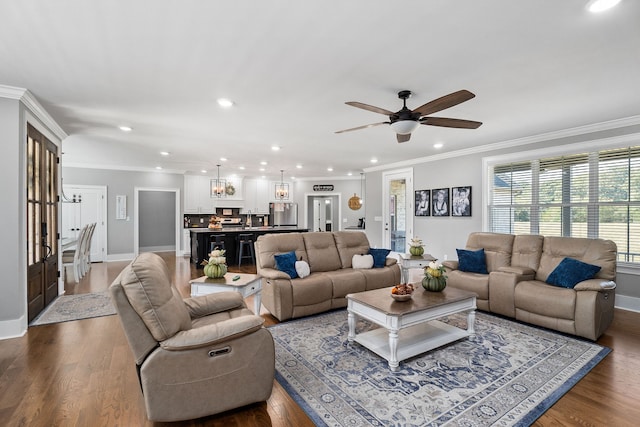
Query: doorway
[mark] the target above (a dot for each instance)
(157, 220)
(81, 205)
(323, 212)
(42, 222)
(397, 209)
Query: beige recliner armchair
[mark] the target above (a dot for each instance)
(195, 357)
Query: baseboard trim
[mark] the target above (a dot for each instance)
(120, 257)
(628, 303)
(13, 328)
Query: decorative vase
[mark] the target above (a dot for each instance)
(416, 250)
(434, 284)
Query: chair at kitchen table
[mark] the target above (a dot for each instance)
(73, 257)
(86, 252)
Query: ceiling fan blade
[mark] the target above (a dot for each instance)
(369, 108)
(362, 127)
(444, 102)
(450, 123)
(403, 138)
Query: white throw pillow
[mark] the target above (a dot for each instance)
(302, 268)
(362, 261)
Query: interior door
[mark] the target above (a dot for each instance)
(42, 222)
(397, 209)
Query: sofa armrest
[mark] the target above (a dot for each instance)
(595, 285)
(273, 273)
(205, 305)
(390, 261)
(520, 271)
(450, 264)
(213, 333)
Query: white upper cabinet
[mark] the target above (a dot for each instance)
(256, 196)
(198, 198)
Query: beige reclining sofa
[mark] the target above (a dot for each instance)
(329, 256)
(518, 267)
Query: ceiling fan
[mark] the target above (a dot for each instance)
(406, 121)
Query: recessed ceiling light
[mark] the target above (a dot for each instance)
(275, 148)
(374, 160)
(241, 168)
(330, 169)
(159, 167)
(349, 173)
(164, 153)
(261, 169)
(225, 103)
(438, 145)
(292, 177)
(203, 171)
(298, 166)
(125, 128)
(263, 163)
(223, 159)
(596, 6)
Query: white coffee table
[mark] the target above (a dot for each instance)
(409, 328)
(246, 285)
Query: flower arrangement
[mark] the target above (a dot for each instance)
(416, 247)
(435, 279)
(216, 267)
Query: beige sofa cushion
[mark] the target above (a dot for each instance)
(526, 252)
(146, 283)
(497, 248)
(321, 251)
(598, 252)
(350, 243)
(280, 243)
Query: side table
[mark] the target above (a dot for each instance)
(408, 261)
(246, 285)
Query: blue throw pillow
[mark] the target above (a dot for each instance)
(472, 261)
(379, 257)
(570, 272)
(287, 263)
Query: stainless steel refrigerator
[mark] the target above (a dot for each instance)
(283, 214)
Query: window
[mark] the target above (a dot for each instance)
(595, 195)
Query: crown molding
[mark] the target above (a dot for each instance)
(120, 168)
(549, 136)
(30, 101)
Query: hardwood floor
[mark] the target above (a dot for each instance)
(82, 374)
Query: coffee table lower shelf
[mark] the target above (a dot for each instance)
(412, 341)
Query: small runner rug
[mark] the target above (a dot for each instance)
(507, 374)
(76, 307)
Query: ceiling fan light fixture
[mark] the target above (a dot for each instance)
(404, 127)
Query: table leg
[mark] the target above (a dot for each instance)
(351, 320)
(257, 301)
(393, 349)
(471, 319)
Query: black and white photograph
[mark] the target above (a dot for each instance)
(423, 202)
(461, 201)
(440, 202)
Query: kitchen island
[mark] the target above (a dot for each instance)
(200, 238)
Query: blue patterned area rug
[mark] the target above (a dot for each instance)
(507, 374)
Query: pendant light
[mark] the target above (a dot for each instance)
(282, 189)
(219, 186)
(355, 202)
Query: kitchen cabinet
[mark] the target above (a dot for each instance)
(256, 196)
(197, 198)
(186, 242)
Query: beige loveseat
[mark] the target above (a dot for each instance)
(332, 277)
(515, 286)
(194, 357)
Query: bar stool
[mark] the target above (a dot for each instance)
(216, 241)
(245, 241)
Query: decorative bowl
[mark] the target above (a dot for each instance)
(406, 297)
